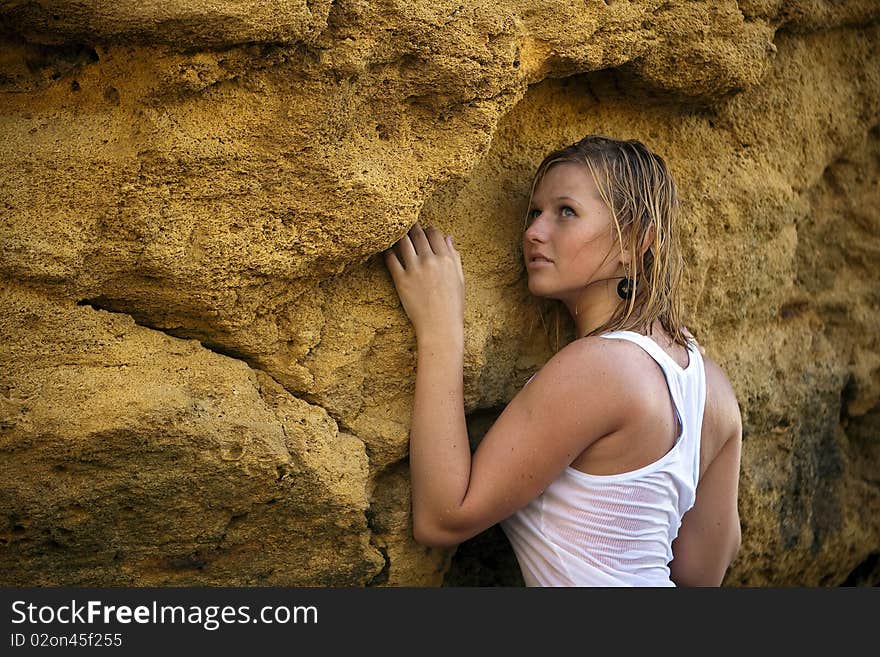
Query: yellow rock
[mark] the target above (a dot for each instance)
(206, 375)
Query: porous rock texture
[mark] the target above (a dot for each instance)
(206, 371)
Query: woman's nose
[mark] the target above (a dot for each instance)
(536, 231)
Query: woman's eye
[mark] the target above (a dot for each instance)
(567, 211)
(534, 213)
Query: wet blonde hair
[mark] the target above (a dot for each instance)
(638, 188)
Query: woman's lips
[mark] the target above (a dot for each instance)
(539, 262)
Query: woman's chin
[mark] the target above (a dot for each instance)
(538, 290)
(535, 289)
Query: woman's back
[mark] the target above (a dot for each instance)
(654, 427)
(610, 519)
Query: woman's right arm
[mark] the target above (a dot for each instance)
(709, 537)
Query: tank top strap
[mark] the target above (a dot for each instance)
(654, 349)
(687, 388)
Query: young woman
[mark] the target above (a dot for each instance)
(617, 464)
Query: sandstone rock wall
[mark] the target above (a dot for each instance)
(206, 373)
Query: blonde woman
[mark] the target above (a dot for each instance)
(617, 464)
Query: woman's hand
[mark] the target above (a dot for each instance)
(426, 270)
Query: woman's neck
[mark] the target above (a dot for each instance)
(594, 310)
(594, 306)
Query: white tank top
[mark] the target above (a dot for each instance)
(617, 530)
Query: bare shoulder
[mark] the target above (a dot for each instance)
(595, 358)
(611, 372)
(622, 364)
(722, 420)
(721, 393)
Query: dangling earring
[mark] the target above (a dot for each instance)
(625, 288)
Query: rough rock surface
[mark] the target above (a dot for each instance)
(206, 373)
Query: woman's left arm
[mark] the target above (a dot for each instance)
(430, 284)
(576, 398)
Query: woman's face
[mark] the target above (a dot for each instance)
(570, 226)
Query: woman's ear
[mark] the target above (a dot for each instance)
(648, 241)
